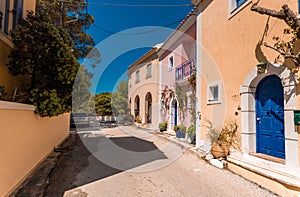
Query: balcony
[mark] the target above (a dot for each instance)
(184, 70)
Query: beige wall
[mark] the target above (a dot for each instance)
(145, 85)
(25, 140)
(29, 5)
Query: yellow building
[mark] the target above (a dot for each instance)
(144, 89)
(11, 12)
(230, 87)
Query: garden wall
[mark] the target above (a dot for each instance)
(25, 140)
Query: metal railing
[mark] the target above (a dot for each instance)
(184, 70)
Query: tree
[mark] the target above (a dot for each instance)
(120, 100)
(72, 16)
(82, 99)
(284, 48)
(43, 53)
(103, 104)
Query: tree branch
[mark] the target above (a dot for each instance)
(294, 58)
(289, 13)
(265, 11)
(285, 14)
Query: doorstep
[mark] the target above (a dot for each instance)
(272, 170)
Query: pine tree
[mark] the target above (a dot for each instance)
(43, 53)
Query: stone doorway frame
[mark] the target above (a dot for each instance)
(248, 111)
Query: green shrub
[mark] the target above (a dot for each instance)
(163, 126)
(192, 130)
(182, 128)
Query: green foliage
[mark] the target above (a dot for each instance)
(192, 80)
(47, 102)
(120, 105)
(43, 53)
(2, 92)
(192, 107)
(181, 98)
(73, 18)
(182, 128)
(82, 100)
(103, 104)
(191, 130)
(213, 132)
(163, 126)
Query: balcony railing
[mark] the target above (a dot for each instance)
(184, 70)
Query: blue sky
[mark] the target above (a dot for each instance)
(154, 24)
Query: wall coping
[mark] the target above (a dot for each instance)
(16, 106)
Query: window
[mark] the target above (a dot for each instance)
(239, 2)
(171, 62)
(148, 74)
(137, 77)
(214, 93)
(18, 12)
(236, 5)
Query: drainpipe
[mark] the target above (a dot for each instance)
(198, 78)
(160, 89)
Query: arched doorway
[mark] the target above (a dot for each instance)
(269, 99)
(174, 113)
(136, 106)
(148, 110)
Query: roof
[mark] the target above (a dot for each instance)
(158, 47)
(181, 25)
(152, 51)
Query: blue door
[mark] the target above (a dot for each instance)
(175, 113)
(270, 117)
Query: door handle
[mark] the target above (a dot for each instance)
(258, 120)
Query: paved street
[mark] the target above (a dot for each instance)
(126, 161)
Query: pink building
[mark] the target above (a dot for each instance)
(177, 60)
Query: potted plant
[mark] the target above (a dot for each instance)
(192, 133)
(139, 119)
(163, 126)
(226, 137)
(180, 131)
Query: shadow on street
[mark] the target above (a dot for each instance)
(77, 166)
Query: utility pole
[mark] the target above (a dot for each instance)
(62, 10)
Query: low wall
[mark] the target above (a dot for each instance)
(25, 140)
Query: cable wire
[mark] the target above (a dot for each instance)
(141, 5)
(138, 33)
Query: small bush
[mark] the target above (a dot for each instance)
(191, 130)
(163, 126)
(182, 128)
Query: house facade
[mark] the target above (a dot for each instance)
(143, 89)
(11, 13)
(238, 81)
(177, 61)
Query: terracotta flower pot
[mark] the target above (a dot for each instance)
(220, 149)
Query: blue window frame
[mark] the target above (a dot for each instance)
(239, 2)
